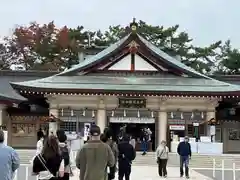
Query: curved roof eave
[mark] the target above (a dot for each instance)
(170, 59)
(111, 48)
(95, 58)
(10, 98)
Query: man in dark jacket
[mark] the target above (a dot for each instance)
(125, 157)
(185, 153)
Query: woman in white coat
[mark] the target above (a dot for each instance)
(39, 147)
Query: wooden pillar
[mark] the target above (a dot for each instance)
(162, 126)
(101, 120)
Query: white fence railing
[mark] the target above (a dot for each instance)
(220, 169)
(23, 173)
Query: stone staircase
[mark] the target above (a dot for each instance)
(197, 161)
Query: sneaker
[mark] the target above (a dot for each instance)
(187, 177)
(181, 175)
(165, 176)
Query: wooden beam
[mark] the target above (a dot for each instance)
(132, 61)
(150, 62)
(119, 58)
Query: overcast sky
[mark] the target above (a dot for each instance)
(206, 21)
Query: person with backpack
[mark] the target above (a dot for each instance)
(144, 140)
(125, 157)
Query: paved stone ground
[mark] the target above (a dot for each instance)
(138, 173)
(150, 173)
(228, 174)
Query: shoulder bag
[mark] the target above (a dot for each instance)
(45, 175)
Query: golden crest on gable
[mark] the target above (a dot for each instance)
(133, 44)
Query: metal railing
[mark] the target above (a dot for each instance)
(222, 167)
(26, 176)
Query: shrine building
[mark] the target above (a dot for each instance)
(133, 82)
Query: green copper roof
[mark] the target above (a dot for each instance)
(97, 57)
(170, 59)
(111, 48)
(148, 84)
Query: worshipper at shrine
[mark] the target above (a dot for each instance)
(9, 159)
(185, 153)
(162, 158)
(48, 163)
(94, 157)
(133, 141)
(40, 143)
(40, 134)
(123, 131)
(126, 155)
(64, 149)
(108, 140)
(86, 135)
(145, 138)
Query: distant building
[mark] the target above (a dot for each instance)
(130, 82)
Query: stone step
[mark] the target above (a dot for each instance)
(197, 161)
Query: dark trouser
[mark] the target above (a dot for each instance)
(162, 167)
(111, 174)
(184, 160)
(144, 146)
(124, 170)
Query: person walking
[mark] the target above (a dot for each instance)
(40, 143)
(162, 158)
(126, 155)
(185, 153)
(9, 160)
(64, 150)
(144, 141)
(108, 140)
(47, 164)
(94, 157)
(133, 141)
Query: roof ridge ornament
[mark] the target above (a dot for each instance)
(133, 25)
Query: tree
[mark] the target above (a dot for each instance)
(20, 47)
(5, 61)
(49, 48)
(177, 44)
(229, 59)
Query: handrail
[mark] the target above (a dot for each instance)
(223, 169)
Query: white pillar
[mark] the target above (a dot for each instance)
(101, 119)
(211, 115)
(162, 126)
(101, 115)
(53, 126)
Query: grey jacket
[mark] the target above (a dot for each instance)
(162, 152)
